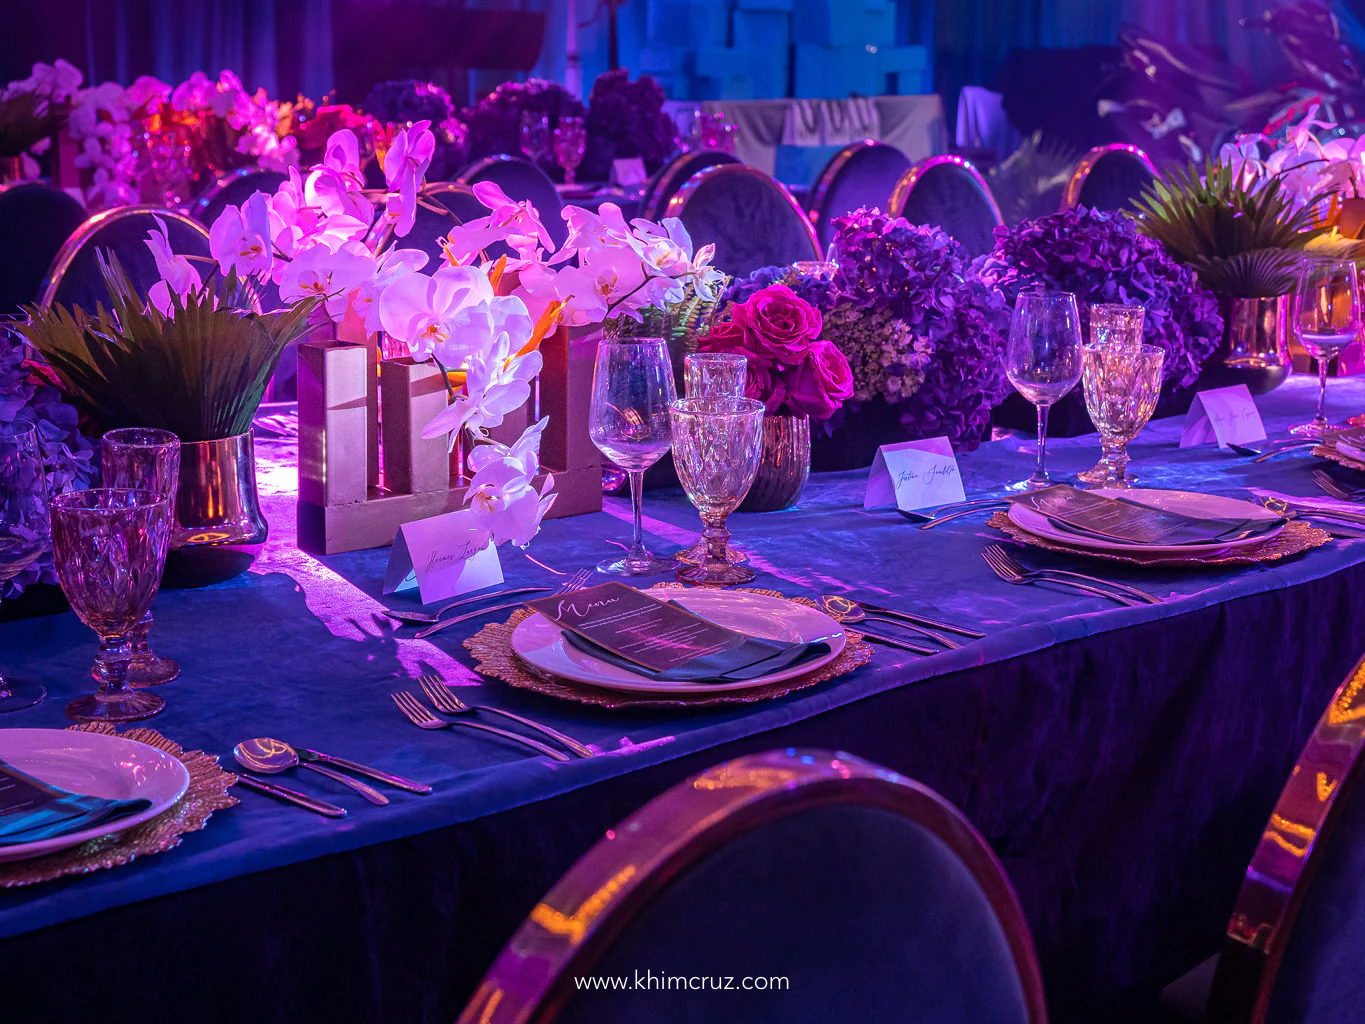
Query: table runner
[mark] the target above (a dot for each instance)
(293, 651)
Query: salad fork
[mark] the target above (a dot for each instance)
(419, 715)
(1333, 489)
(447, 703)
(577, 581)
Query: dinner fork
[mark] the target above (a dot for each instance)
(1324, 480)
(421, 716)
(1012, 563)
(1012, 572)
(577, 581)
(427, 618)
(448, 704)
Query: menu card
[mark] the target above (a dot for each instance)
(31, 810)
(1125, 520)
(663, 640)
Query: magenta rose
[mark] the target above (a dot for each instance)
(778, 324)
(765, 382)
(820, 384)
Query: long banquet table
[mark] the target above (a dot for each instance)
(1121, 761)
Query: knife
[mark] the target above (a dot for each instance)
(290, 796)
(920, 620)
(397, 781)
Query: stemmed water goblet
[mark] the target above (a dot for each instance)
(24, 533)
(1112, 326)
(109, 546)
(717, 444)
(1327, 318)
(535, 136)
(1043, 361)
(713, 375)
(570, 144)
(1121, 390)
(632, 388)
(148, 459)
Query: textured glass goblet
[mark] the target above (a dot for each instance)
(109, 546)
(147, 459)
(717, 443)
(713, 375)
(24, 533)
(632, 386)
(1121, 391)
(571, 142)
(1112, 326)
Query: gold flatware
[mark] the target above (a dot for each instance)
(447, 703)
(421, 716)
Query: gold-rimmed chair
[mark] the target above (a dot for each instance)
(1109, 178)
(823, 887)
(948, 192)
(1291, 952)
(233, 189)
(750, 217)
(862, 174)
(664, 183)
(35, 222)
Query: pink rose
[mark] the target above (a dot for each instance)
(764, 381)
(778, 324)
(820, 384)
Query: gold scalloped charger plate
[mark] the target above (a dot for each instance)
(1327, 451)
(206, 791)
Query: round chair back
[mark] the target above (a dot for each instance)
(522, 180)
(863, 174)
(948, 192)
(233, 189)
(35, 221)
(826, 888)
(663, 185)
(458, 204)
(74, 278)
(1109, 178)
(1293, 941)
(752, 219)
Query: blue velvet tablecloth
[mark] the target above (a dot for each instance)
(1120, 760)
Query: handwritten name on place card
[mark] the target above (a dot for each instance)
(913, 475)
(443, 556)
(1226, 415)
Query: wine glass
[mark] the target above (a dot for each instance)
(109, 545)
(24, 533)
(1327, 318)
(717, 443)
(713, 375)
(143, 458)
(1121, 391)
(1043, 361)
(570, 144)
(535, 136)
(1112, 326)
(632, 387)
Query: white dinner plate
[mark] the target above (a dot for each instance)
(538, 642)
(1186, 502)
(92, 764)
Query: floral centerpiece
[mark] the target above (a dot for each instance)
(627, 119)
(312, 124)
(29, 393)
(495, 121)
(32, 110)
(407, 101)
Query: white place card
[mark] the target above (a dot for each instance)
(444, 556)
(1226, 415)
(629, 170)
(913, 475)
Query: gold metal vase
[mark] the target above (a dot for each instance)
(1255, 348)
(784, 466)
(219, 528)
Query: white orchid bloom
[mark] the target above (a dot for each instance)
(405, 164)
(425, 312)
(393, 265)
(240, 238)
(332, 276)
(502, 495)
(590, 232)
(496, 383)
(178, 275)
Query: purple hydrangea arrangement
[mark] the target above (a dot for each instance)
(921, 331)
(627, 119)
(29, 395)
(495, 121)
(1100, 256)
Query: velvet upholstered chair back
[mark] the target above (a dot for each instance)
(663, 185)
(868, 893)
(454, 204)
(752, 219)
(1293, 945)
(233, 189)
(948, 192)
(35, 221)
(1109, 178)
(522, 180)
(74, 278)
(863, 174)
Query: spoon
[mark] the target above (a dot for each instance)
(842, 609)
(270, 757)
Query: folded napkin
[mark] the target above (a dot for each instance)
(751, 659)
(31, 810)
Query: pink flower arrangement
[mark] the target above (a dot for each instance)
(791, 370)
